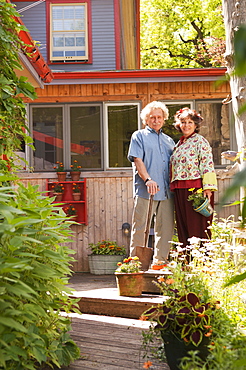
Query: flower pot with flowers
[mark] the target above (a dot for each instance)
(104, 257)
(58, 190)
(61, 173)
(185, 319)
(129, 277)
(71, 212)
(200, 203)
(76, 192)
(75, 171)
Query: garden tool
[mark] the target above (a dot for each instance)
(144, 253)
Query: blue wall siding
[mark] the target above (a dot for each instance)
(35, 21)
(103, 35)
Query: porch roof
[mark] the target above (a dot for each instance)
(138, 76)
(34, 66)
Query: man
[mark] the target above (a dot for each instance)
(150, 150)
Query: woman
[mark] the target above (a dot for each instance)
(191, 167)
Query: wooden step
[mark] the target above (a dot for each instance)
(99, 295)
(108, 302)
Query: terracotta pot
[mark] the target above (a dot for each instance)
(76, 196)
(61, 176)
(58, 197)
(130, 285)
(75, 175)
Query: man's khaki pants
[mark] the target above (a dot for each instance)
(163, 212)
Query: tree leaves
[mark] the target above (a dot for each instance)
(181, 34)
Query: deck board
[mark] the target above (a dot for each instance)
(110, 343)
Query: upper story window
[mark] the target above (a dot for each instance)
(69, 32)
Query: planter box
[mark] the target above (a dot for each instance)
(103, 264)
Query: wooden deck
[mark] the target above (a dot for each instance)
(109, 342)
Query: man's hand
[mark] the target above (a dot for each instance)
(152, 187)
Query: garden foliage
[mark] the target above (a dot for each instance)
(34, 270)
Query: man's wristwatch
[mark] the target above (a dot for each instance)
(148, 179)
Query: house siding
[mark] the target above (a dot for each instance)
(103, 35)
(35, 21)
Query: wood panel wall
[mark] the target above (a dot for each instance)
(144, 92)
(109, 205)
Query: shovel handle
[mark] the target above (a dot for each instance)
(147, 226)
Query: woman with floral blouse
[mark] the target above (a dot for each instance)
(191, 167)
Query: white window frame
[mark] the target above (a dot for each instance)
(72, 32)
(105, 120)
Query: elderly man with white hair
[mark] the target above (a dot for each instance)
(150, 150)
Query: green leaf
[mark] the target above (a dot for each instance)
(240, 50)
(239, 180)
(13, 324)
(235, 279)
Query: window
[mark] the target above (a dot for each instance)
(122, 120)
(68, 132)
(215, 127)
(47, 130)
(69, 32)
(98, 135)
(85, 130)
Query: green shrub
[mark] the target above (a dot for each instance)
(34, 271)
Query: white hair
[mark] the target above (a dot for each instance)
(151, 106)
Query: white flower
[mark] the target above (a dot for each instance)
(172, 264)
(194, 240)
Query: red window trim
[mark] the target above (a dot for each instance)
(48, 2)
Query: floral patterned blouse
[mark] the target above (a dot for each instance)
(194, 160)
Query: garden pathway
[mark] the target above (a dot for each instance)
(107, 342)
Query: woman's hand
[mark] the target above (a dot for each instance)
(207, 193)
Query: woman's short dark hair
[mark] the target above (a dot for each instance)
(190, 113)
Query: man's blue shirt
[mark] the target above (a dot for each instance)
(155, 150)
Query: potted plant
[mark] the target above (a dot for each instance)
(75, 171)
(71, 212)
(58, 190)
(200, 203)
(76, 192)
(61, 173)
(185, 319)
(104, 257)
(129, 277)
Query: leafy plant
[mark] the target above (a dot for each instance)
(76, 188)
(59, 167)
(129, 265)
(12, 109)
(57, 188)
(34, 269)
(184, 313)
(70, 210)
(107, 247)
(75, 166)
(196, 197)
